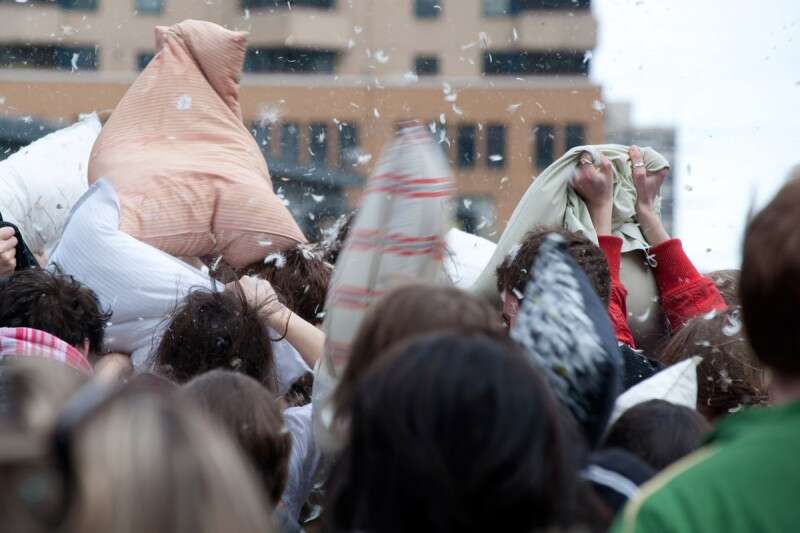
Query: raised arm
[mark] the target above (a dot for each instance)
(684, 292)
(308, 340)
(594, 182)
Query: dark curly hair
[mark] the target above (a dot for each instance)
(211, 330)
(512, 274)
(300, 278)
(55, 303)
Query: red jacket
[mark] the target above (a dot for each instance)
(684, 292)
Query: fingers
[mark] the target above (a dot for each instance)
(637, 162)
(6, 233)
(8, 244)
(8, 262)
(606, 168)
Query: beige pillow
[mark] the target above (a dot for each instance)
(190, 178)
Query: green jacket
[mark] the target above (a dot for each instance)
(746, 480)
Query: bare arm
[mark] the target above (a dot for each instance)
(308, 340)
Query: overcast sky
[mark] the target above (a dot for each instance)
(726, 74)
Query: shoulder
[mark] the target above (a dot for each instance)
(669, 501)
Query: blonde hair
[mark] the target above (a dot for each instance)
(151, 463)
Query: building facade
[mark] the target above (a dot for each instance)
(502, 84)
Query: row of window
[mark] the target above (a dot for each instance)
(317, 136)
(544, 148)
(147, 6)
(500, 8)
(422, 8)
(517, 63)
(50, 56)
(297, 60)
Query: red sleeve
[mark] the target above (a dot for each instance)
(684, 292)
(617, 308)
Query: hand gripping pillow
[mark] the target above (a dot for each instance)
(190, 178)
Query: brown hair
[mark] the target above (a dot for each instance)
(407, 312)
(770, 281)
(514, 272)
(33, 391)
(148, 462)
(251, 415)
(727, 282)
(729, 376)
(212, 330)
(55, 303)
(300, 278)
(658, 432)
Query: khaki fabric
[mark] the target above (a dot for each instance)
(551, 201)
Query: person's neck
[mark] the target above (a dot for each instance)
(784, 389)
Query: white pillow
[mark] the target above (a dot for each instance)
(41, 182)
(675, 384)
(468, 256)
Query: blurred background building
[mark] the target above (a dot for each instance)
(621, 130)
(503, 84)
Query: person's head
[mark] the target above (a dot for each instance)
(513, 273)
(300, 278)
(729, 376)
(454, 432)
(658, 432)
(33, 390)
(211, 330)
(139, 461)
(54, 303)
(252, 416)
(727, 283)
(406, 312)
(769, 288)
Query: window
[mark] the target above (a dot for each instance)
(497, 8)
(48, 56)
(523, 5)
(255, 4)
(426, 65)
(290, 142)
(425, 9)
(575, 135)
(544, 136)
(290, 60)
(526, 63)
(348, 144)
(78, 4)
(262, 132)
(149, 6)
(466, 146)
(318, 143)
(495, 146)
(143, 59)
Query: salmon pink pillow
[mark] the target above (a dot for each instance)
(190, 178)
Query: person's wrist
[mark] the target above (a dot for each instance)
(600, 213)
(275, 315)
(645, 209)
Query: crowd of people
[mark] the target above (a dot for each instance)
(161, 370)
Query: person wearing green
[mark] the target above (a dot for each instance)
(747, 477)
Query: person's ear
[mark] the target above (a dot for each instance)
(85, 348)
(510, 307)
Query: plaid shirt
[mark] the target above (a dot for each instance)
(28, 342)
